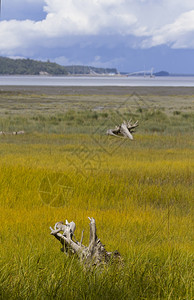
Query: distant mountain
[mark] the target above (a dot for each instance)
(162, 73)
(146, 73)
(28, 66)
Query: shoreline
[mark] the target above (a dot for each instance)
(98, 90)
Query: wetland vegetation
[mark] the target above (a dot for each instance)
(65, 167)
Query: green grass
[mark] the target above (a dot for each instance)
(88, 121)
(140, 193)
(84, 113)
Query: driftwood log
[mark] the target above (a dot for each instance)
(12, 133)
(93, 255)
(125, 130)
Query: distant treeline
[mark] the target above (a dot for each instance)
(162, 73)
(28, 66)
(90, 70)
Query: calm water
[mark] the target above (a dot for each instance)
(96, 81)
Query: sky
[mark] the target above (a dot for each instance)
(130, 35)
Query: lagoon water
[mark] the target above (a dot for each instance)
(96, 81)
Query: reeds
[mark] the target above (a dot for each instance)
(140, 195)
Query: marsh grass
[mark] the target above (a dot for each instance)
(140, 193)
(61, 114)
(142, 202)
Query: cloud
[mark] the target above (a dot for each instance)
(179, 34)
(143, 23)
(95, 61)
(70, 18)
(86, 17)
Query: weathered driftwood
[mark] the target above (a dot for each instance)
(12, 133)
(18, 132)
(125, 129)
(93, 255)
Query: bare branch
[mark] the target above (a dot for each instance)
(125, 129)
(94, 255)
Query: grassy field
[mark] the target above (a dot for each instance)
(65, 167)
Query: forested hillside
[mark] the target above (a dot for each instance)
(33, 67)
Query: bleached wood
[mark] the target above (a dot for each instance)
(93, 255)
(125, 129)
(12, 133)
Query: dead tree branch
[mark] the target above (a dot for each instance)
(125, 129)
(95, 254)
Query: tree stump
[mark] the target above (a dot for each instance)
(93, 255)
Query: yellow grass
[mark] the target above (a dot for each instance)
(140, 196)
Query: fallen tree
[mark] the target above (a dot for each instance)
(93, 255)
(12, 133)
(124, 130)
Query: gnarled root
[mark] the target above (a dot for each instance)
(94, 255)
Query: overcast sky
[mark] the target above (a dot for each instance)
(129, 35)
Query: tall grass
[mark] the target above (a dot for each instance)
(140, 195)
(84, 121)
(65, 167)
